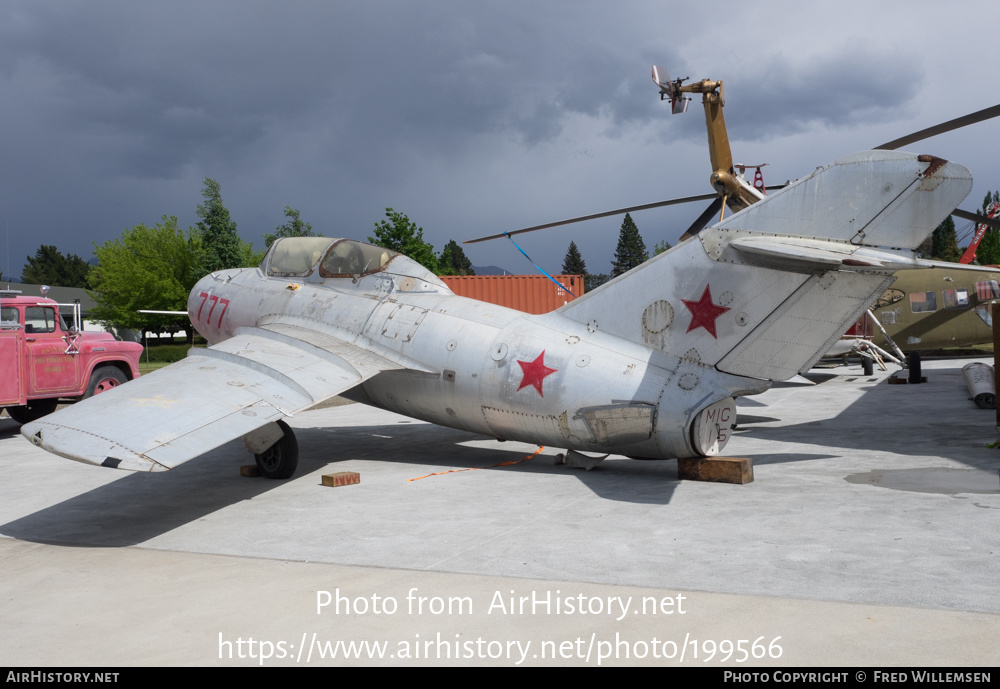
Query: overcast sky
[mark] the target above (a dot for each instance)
(470, 117)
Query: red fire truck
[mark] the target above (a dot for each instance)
(42, 359)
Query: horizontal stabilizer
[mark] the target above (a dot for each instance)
(812, 255)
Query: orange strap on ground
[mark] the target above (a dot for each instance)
(492, 466)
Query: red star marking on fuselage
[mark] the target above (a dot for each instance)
(534, 372)
(704, 312)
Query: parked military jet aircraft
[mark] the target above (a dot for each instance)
(648, 365)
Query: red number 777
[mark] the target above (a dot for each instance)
(205, 296)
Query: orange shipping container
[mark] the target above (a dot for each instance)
(528, 293)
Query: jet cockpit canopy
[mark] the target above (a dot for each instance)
(300, 256)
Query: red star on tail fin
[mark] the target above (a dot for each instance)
(704, 312)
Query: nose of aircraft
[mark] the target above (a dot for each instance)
(196, 301)
(203, 285)
(208, 305)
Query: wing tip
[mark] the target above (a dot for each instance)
(74, 444)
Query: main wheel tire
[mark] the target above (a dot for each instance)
(103, 379)
(32, 411)
(867, 365)
(280, 460)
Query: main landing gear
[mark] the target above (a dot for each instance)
(275, 450)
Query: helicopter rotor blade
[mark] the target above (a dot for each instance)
(706, 217)
(619, 211)
(977, 218)
(948, 126)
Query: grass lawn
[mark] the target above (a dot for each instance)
(145, 368)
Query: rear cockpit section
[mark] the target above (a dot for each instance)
(322, 259)
(329, 258)
(348, 258)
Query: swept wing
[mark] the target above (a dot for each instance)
(163, 419)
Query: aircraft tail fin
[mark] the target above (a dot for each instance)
(765, 292)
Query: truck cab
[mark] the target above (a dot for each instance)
(43, 359)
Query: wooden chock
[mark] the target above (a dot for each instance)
(718, 469)
(341, 478)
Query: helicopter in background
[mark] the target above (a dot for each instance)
(946, 305)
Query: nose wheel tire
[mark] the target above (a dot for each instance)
(280, 460)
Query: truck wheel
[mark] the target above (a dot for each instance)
(280, 460)
(33, 410)
(103, 379)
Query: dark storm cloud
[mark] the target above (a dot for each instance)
(779, 95)
(323, 106)
(467, 116)
(161, 87)
(850, 86)
(172, 85)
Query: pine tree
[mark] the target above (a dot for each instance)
(453, 261)
(51, 267)
(222, 245)
(631, 249)
(944, 246)
(573, 264)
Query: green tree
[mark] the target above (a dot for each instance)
(926, 247)
(453, 261)
(146, 268)
(592, 281)
(399, 234)
(573, 263)
(51, 267)
(222, 245)
(661, 247)
(249, 256)
(293, 227)
(631, 249)
(944, 246)
(988, 253)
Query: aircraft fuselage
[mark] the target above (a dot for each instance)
(488, 369)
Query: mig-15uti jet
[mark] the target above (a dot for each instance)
(646, 366)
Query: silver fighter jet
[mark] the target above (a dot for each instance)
(647, 366)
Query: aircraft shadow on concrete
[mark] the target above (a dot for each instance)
(9, 427)
(933, 418)
(141, 506)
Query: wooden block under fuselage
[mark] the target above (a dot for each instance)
(717, 469)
